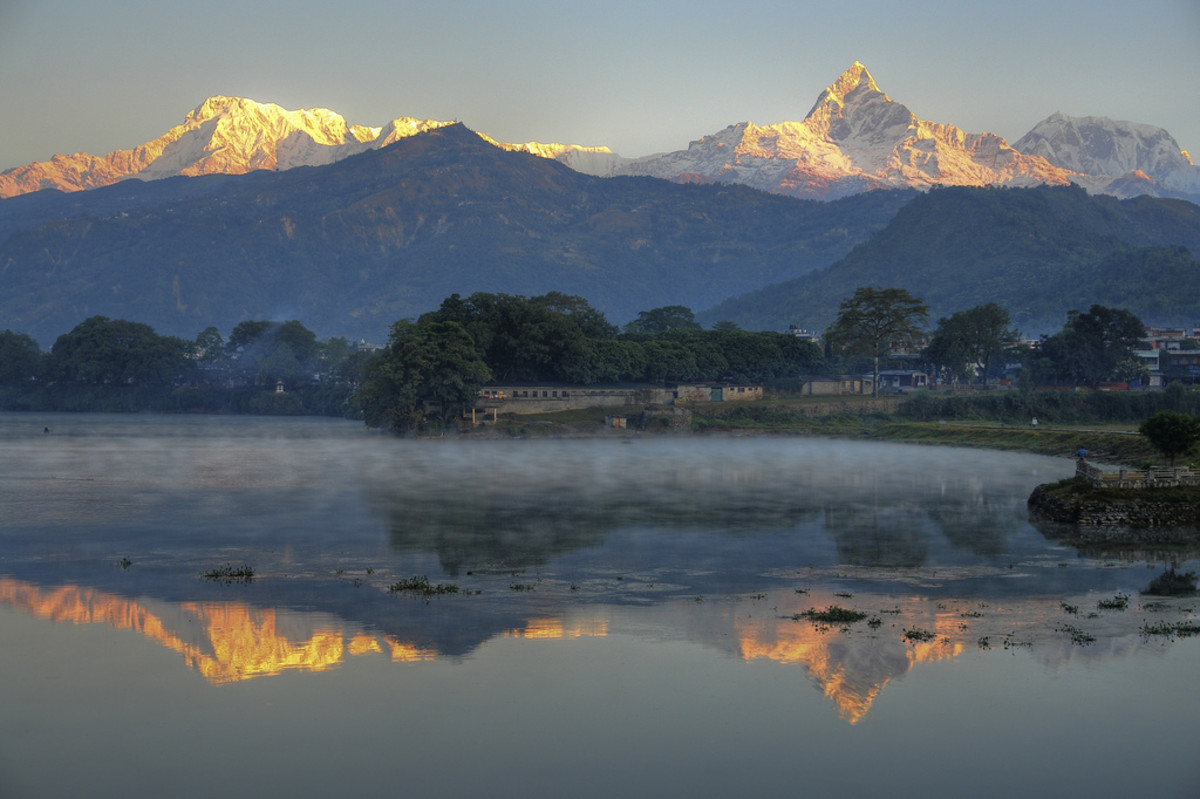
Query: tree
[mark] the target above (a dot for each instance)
(523, 339)
(270, 351)
(592, 323)
(1091, 346)
(100, 350)
(20, 357)
(660, 320)
(209, 347)
(878, 321)
(427, 368)
(1171, 433)
(970, 341)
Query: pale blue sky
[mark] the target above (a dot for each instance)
(640, 77)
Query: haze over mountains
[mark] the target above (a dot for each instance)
(248, 211)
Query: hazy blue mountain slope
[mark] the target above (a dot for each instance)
(350, 247)
(1037, 252)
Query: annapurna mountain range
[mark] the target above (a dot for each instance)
(854, 139)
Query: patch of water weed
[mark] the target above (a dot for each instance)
(1172, 583)
(984, 642)
(916, 635)
(420, 586)
(1012, 643)
(831, 615)
(1118, 602)
(229, 573)
(125, 562)
(521, 586)
(1178, 629)
(874, 622)
(1072, 609)
(1077, 636)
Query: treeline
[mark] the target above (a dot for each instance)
(1053, 407)
(437, 361)
(435, 366)
(561, 338)
(121, 366)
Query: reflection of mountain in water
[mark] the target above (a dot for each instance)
(235, 641)
(852, 672)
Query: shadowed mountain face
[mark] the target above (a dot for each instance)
(1037, 252)
(351, 247)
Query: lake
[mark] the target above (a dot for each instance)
(268, 606)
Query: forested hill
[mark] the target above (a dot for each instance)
(1037, 252)
(353, 246)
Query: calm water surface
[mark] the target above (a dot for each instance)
(628, 619)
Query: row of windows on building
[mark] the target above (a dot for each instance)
(491, 393)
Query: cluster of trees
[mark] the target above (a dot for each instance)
(440, 360)
(114, 364)
(436, 364)
(1093, 347)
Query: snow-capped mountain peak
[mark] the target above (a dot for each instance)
(856, 81)
(854, 138)
(235, 135)
(1119, 157)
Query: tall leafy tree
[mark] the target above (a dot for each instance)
(1171, 433)
(877, 321)
(427, 369)
(971, 341)
(100, 350)
(270, 351)
(20, 357)
(1091, 346)
(659, 320)
(528, 339)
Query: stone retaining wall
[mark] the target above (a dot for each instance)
(1150, 521)
(1171, 477)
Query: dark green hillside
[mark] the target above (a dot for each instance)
(353, 246)
(1037, 252)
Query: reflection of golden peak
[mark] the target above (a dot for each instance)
(809, 647)
(245, 643)
(557, 628)
(407, 653)
(234, 641)
(851, 672)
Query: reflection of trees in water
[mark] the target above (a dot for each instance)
(894, 525)
(480, 527)
(522, 505)
(974, 515)
(477, 529)
(869, 535)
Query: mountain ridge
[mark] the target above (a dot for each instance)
(352, 246)
(854, 138)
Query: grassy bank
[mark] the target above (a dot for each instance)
(863, 418)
